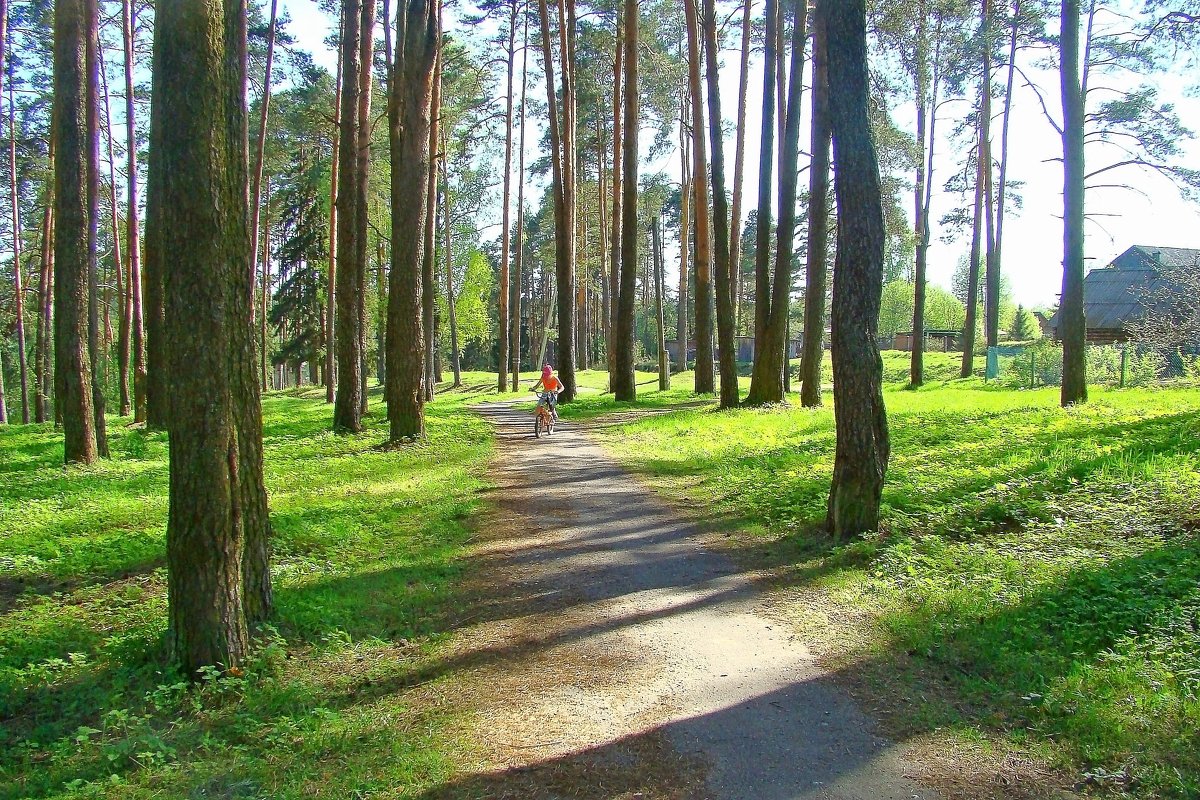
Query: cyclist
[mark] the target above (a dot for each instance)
(550, 383)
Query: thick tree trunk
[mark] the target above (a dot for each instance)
(505, 231)
(1073, 325)
(410, 122)
(860, 462)
(73, 366)
(705, 378)
(766, 163)
(347, 407)
(428, 268)
(816, 269)
(134, 246)
(739, 164)
(724, 266)
(766, 384)
(217, 502)
(623, 382)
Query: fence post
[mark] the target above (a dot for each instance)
(1124, 361)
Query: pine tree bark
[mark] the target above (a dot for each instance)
(505, 231)
(428, 268)
(73, 365)
(1073, 325)
(347, 407)
(971, 321)
(410, 136)
(362, 186)
(705, 378)
(92, 129)
(722, 255)
(331, 281)
(624, 384)
(614, 241)
(260, 147)
(767, 382)
(217, 500)
(739, 165)
(157, 382)
(518, 266)
(18, 284)
(861, 458)
(766, 162)
(561, 125)
(134, 245)
(451, 311)
(816, 269)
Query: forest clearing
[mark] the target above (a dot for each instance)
(1030, 592)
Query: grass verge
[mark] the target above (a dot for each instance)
(1036, 581)
(338, 697)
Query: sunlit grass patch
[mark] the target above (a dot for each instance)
(366, 549)
(1037, 575)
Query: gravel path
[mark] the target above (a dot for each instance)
(675, 635)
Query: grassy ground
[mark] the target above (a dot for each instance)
(366, 551)
(1036, 583)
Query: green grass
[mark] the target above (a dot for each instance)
(367, 543)
(1036, 578)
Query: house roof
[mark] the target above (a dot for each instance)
(1113, 296)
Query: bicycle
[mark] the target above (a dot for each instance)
(543, 415)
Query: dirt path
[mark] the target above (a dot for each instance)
(625, 660)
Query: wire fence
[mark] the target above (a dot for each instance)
(1117, 365)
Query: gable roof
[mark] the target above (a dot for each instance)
(1113, 295)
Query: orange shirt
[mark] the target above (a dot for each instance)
(552, 384)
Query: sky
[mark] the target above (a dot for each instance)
(1150, 212)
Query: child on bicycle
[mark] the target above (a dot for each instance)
(550, 384)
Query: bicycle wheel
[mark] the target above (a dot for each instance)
(537, 425)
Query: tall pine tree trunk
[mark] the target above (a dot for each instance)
(73, 365)
(766, 162)
(259, 149)
(739, 164)
(331, 282)
(505, 231)
(92, 175)
(1072, 322)
(455, 354)
(817, 268)
(217, 508)
(133, 244)
(157, 380)
(41, 355)
(861, 458)
(428, 268)
(705, 379)
(122, 288)
(18, 286)
(518, 266)
(767, 385)
(614, 240)
(685, 236)
(362, 185)
(624, 384)
(723, 263)
(973, 267)
(347, 407)
(410, 123)
(664, 361)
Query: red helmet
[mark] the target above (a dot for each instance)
(547, 371)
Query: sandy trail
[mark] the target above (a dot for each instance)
(632, 662)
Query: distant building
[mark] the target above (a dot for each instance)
(1044, 324)
(944, 340)
(1113, 296)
